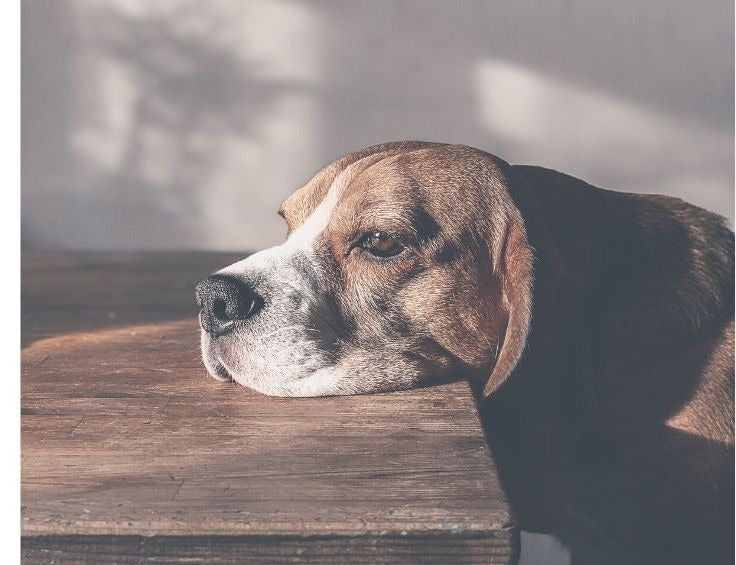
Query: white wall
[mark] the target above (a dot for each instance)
(183, 124)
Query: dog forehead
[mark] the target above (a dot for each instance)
(300, 205)
(382, 196)
(450, 185)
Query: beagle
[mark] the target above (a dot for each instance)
(597, 327)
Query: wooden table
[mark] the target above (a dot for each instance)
(131, 453)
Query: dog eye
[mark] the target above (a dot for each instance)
(381, 244)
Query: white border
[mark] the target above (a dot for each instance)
(10, 238)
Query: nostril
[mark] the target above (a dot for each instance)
(219, 310)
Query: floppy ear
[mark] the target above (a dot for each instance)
(514, 267)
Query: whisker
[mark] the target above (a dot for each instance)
(285, 328)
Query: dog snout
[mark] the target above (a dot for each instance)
(223, 301)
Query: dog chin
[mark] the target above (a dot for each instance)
(324, 382)
(321, 382)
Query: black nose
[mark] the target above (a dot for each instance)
(224, 300)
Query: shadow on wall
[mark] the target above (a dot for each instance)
(147, 112)
(178, 124)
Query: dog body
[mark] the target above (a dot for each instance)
(630, 360)
(598, 327)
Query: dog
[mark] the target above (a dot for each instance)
(596, 326)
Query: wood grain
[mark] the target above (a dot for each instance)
(130, 452)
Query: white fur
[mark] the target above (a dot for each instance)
(278, 354)
(542, 549)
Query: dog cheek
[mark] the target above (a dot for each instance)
(458, 311)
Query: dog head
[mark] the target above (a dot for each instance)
(403, 262)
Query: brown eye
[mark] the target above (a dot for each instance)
(381, 244)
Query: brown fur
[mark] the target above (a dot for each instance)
(604, 319)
